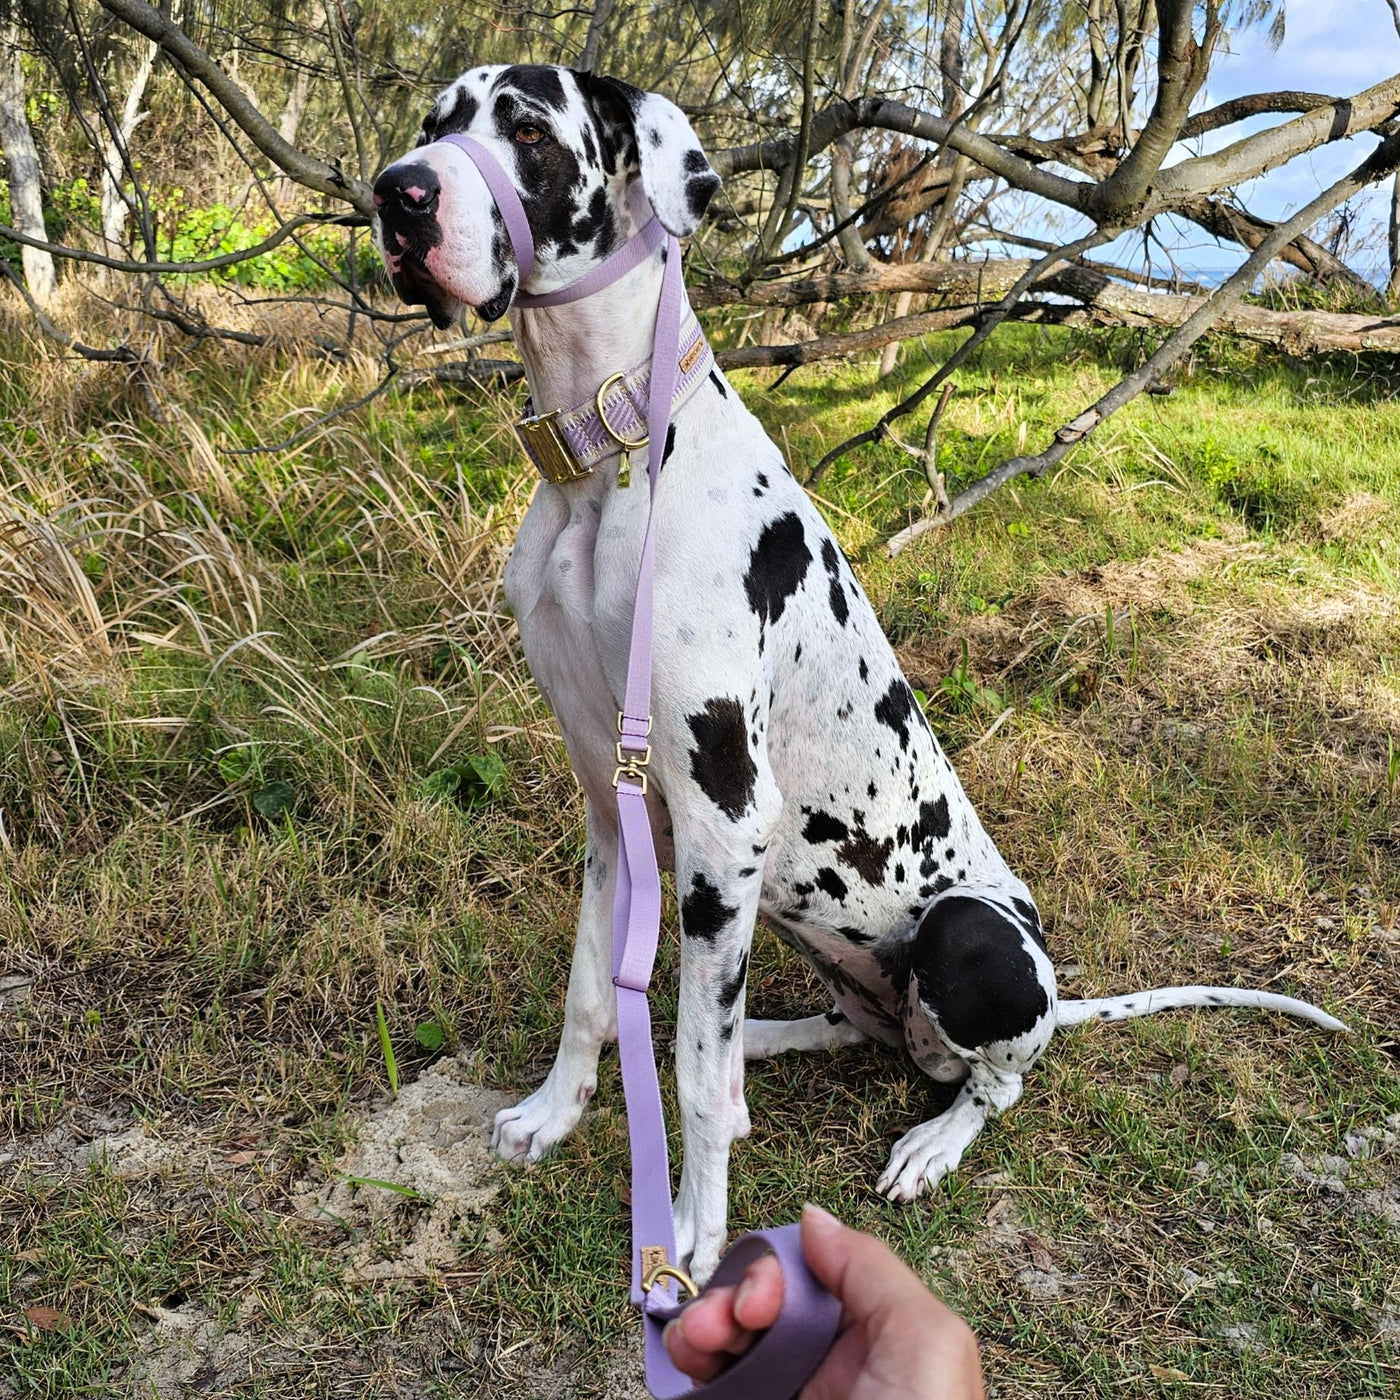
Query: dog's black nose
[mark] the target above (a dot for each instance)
(411, 189)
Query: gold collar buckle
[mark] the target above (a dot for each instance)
(546, 447)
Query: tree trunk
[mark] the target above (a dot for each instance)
(115, 208)
(1392, 291)
(22, 167)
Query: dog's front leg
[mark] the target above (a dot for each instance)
(718, 874)
(533, 1126)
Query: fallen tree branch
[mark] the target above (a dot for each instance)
(1207, 313)
(987, 324)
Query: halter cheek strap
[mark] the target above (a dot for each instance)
(779, 1363)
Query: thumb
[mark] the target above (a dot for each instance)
(869, 1279)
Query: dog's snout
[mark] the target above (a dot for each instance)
(411, 190)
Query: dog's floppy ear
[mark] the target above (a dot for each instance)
(676, 177)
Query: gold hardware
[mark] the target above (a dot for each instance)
(669, 1271)
(548, 449)
(633, 768)
(689, 358)
(628, 445)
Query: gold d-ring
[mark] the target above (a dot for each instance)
(630, 445)
(669, 1271)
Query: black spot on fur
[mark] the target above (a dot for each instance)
(865, 855)
(777, 565)
(855, 935)
(835, 1018)
(701, 186)
(864, 670)
(899, 873)
(894, 708)
(670, 444)
(975, 975)
(1031, 919)
(831, 563)
(719, 384)
(822, 826)
(720, 762)
(732, 986)
(537, 81)
(703, 912)
(933, 825)
(832, 883)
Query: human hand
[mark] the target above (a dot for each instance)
(897, 1342)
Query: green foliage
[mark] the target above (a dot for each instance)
(1267, 492)
(192, 233)
(475, 780)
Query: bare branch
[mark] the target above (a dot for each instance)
(989, 322)
(1382, 162)
(305, 169)
(256, 250)
(1238, 109)
(1254, 155)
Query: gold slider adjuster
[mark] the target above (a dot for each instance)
(549, 449)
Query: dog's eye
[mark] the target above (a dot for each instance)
(528, 135)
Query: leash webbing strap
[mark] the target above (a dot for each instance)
(780, 1361)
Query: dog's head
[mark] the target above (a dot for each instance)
(572, 144)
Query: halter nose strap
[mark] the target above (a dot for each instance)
(636, 250)
(507, 200)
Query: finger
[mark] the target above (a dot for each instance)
(708, 1323)
(759, 1298)
(698, 1365)
(868, 1277)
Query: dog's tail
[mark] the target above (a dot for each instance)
(1075, 1013)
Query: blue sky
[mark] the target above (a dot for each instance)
(1334, 46)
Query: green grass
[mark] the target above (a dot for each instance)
(269, 759)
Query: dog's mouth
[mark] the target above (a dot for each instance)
(417, 286)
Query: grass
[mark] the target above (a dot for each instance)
(269, 761)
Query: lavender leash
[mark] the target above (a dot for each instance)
(781, 1360)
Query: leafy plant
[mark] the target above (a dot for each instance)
(965, 692)
(476, 780)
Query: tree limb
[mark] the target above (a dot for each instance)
(1206, 314)
(305, 169)
(281, 235)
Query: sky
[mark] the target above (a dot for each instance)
(1338, 47)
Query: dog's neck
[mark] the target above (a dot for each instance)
(569, 350)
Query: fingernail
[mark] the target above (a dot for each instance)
(740, 1294)
(812, 1211)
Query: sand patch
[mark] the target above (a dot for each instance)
(432, 1143)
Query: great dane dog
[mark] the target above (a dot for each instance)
(793, 774)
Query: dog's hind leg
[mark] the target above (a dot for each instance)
(981, 984)
(828, 1031)
(533, 1126)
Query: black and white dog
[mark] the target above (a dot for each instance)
(793, 774)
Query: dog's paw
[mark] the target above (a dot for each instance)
(527, 1131)
(920, 1160)
(697, 1247)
